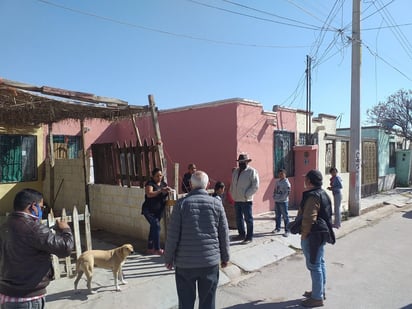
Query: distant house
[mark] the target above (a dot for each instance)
(379, 149)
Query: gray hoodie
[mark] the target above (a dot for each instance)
(282, 190)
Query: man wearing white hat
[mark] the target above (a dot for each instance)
(245, 183)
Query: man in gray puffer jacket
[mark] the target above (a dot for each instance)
(197, 242)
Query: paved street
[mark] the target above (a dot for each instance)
(368, 268)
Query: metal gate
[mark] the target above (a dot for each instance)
(369, 168)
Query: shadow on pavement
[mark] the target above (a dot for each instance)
(407, 215)
(257, 304)
(83, 295)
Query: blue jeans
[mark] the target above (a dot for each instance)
(337, 199)
(33, 304)
(244, 214)
(206, 278)
(281, 209)
(317, 270)
(154, 233)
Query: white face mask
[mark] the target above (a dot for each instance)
(305, 186)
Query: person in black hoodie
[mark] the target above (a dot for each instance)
(25, 248)
(316, 231)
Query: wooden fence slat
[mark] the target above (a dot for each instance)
(146, 158)
(126, 154)
(87, 228)
(126, 164)
(67, 259)
(55, 260)
(153, 155)
(75, 218)
(139, 165)
(76, 231)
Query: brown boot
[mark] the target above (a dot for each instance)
(308, 294)
(310, 302)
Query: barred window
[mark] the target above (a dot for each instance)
(283, 152)
(67, 147)
(18, 158)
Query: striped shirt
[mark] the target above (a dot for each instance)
(11, 299)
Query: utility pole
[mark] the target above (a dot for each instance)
(355, 154)
(308, 100)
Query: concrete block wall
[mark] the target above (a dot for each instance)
(69, 187)
(118, 210)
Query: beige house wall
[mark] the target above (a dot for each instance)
(69, 187)
(113, 209)
(9, 190)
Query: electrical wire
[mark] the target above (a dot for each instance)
(375, 54)
(186, 36)
(402, 39)
(252, 16)
(271, 14)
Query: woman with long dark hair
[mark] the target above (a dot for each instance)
(156, 192)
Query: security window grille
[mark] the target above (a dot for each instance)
(344, 157)
(18, 157)
(67, 147)
(329, 157)
(283, 152)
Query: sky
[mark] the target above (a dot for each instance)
(186, 52)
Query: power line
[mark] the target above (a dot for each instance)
(375, 54)
(252, 16)
(112, 20)
(402, 39)
(271, 14)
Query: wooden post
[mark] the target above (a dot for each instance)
(51, 162)
(177, 178)
(155, 120)
(86, 188)
(136, 130)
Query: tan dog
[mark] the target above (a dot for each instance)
(109, 259)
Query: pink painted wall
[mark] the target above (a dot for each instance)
(211, 136)
(204, 136)
(286, 119)
(306, 158)
(101, 131)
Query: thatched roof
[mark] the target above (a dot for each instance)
(23, 104)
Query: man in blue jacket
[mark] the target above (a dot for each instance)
(197, 242)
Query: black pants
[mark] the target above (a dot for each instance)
(206, 278)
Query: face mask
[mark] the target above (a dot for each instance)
(242, 165)
(39, 212)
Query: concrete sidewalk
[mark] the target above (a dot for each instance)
(151, 285)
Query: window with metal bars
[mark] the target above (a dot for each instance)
(18, 158)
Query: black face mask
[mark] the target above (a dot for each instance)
(242, 165)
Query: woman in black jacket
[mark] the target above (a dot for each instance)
(156, 191)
